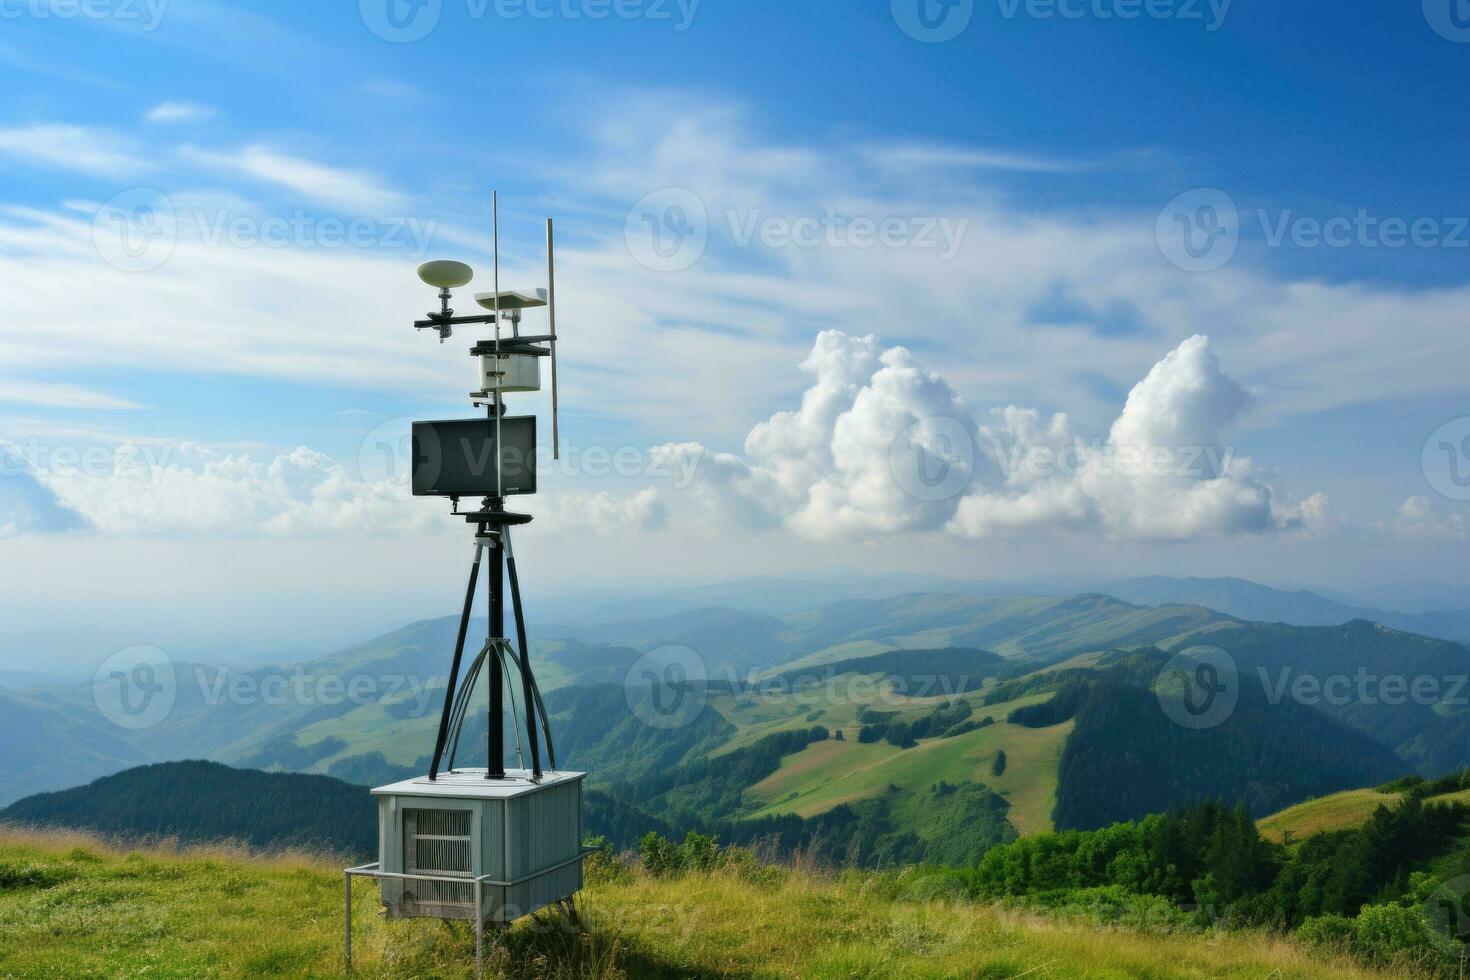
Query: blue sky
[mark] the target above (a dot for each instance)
(1075, 189)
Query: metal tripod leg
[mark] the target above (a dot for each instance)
(495, 750)
(540, 711)
(502, 650)
(461, 705)
(525, 658)
(449, 690)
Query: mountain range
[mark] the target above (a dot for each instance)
(1432, 610)
(1063, 688)
(1301, 607)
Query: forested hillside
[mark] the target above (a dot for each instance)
(1126, 757)
(205, 801)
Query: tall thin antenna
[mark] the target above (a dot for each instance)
(551, 305)
(499, 365)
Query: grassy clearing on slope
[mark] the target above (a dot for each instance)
(835, 706)
(1340, 811)
(73, 906)
(826, 774)
(372, 728)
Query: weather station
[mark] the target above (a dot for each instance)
(489, 845)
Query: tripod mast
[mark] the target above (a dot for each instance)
(507, 365)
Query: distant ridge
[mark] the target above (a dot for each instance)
(197, 802)
(1262, 604)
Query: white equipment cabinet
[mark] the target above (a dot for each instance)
(521, 839)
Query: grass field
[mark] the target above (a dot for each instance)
(1340, 811)
(73, 906)
(828, 773)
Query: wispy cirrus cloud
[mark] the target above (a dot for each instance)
(59, 395)
(974, 158)
(84, 149)
(316, 181)
(180, 112)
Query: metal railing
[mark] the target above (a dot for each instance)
(374, 870)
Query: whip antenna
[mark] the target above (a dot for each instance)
(495, 274)
(551, 315)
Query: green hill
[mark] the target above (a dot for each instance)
(1364, 674)
(1354, 808)
(205, 801)
(850, 768)
(1336, 811)
(71, 906)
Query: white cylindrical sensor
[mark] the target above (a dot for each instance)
(510, 372)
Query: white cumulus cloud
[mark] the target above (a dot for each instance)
(193, 490)
(27, 505)
(1417, 517)
(881, 444)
